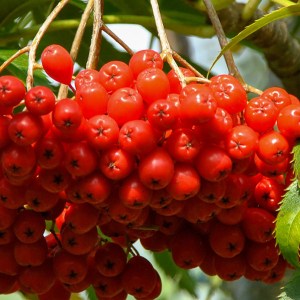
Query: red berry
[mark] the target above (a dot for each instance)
(40, 100)
(145, 59)
(12, 91)
(57, 63)
(229, 93)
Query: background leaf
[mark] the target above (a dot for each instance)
(91, 294)
(287, 229)
(19, 68)
(296, 160)
(182, 277)
(258, 24)
(291, 290)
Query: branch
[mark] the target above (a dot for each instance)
(37, 39)
(147, 21)
(117, 39)
(232, 68)
(93, 57)
(63, 89)
(13, 57)
(166, 48)
(281, 49)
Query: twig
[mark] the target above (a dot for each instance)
(197, 79)
(248, 88)
(63, 89)
(37, 39)
(117, 39)
(167, 52)
(93, 57)
(186, 64)
(80, 30)
(13, 57)
(232, 68)
(252, 89)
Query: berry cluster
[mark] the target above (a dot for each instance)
(197, 170)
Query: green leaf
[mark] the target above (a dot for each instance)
(183, 278)
(18, 68)
(278, 14)
(284, 2)
(91, 293)
(296, 160)
(287, 229)
(8, 7)
(291, 290)
(24, 7)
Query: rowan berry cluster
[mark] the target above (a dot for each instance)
(198, 170)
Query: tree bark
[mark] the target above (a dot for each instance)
(280, 48)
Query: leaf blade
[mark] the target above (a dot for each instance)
(287, 228)
(278, 14)
(291, 290)
(184, 280)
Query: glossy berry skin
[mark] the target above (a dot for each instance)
(133, 193)
(268, 193)
(273, 147)
(218, 126)
(4, 136)
(279, 96)
(23, 252)
(175, 85)
(114, 75)
(25, 128)
(213, 163)
(102, 132)
(57, 63)
(92, 99)
(18, 160)
(185, 182)
(241, 142)
(230, 269)
(110, 259)
(95, 188)
(139, 277)
(80, 159)
(258, 224)
(156, 169)
(183, 144)
(187, 248)
(38, 199)
(81, 217)
(153, 84)
(37, 279)
(137, 137)
(144, 59)
(229, 93)
(116, 163)
(262, 257)
(40, 100)
(125, 104)
(29, 226)
(12, 91)
(261, 114)
(288, 121)
(67, 115)
(197, 104)
(70, 268)
(227, 240)
(49, 152)
(162, 114)
(78, 244)
(86, 76)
